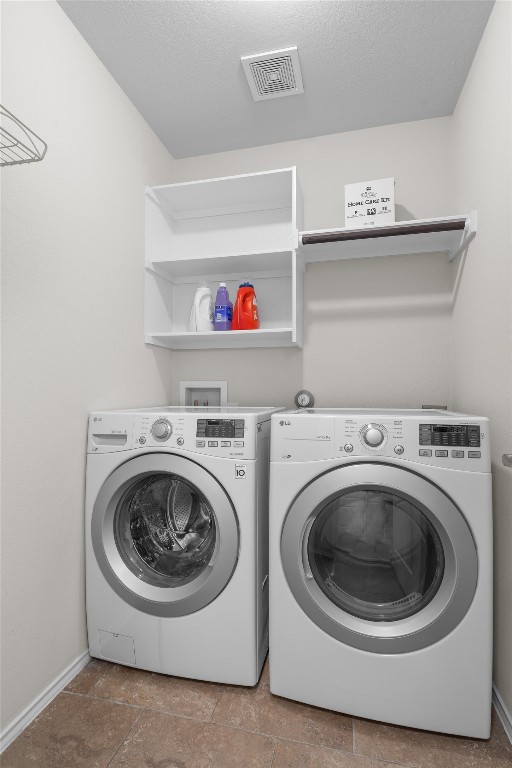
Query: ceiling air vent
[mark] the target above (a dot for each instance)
(273, 74)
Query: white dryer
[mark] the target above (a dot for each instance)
(381, 565)
(176, 528)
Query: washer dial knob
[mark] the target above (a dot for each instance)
(161, 430)
(373, 435)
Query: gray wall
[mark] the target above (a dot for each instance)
(481, 151)
(72, 244)
(377, 332)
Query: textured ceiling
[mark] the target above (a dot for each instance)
(364, 63)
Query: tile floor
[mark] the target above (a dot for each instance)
(115, 717)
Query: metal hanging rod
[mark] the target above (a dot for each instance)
(18, 144)
(390, 231)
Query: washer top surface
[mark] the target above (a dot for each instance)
(181, 409)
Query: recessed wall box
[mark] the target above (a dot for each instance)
(204, 393)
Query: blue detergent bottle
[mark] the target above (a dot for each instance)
(223, 313)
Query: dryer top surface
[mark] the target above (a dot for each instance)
(421, 414)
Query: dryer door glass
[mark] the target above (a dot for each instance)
(165, 530)
(375, 555)
(379, 557)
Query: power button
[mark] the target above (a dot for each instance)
(399, 449)
(180, 441)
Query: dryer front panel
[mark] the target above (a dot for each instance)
(165, 534)
(379, 558)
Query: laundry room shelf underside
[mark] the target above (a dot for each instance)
(261, 337)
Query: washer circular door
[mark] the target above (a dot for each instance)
(379, 558)
(165, 534)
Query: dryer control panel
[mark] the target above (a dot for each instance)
(314, 436)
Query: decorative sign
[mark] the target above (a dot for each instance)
(370, 204)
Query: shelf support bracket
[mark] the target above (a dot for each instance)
(467, 235)
(164, 208)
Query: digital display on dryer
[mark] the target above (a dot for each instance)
(464, 435)
(448, 428)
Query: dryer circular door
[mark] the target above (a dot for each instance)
(379, 558)
(165, 534)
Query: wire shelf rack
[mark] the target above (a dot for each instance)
(18, 144)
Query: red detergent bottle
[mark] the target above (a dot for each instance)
(245, 311)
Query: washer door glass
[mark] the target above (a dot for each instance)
(165, 534)
(375, 555)
(165, 530)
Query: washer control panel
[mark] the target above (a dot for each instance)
(228, 436)
(221, 428)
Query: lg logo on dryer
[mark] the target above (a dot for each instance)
(284, 423)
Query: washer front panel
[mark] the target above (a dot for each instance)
(356, 527)
(152, 560)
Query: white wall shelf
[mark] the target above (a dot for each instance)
(240, 228)
(231, 229)
(269, 262)
(450, 234)
(263, 337)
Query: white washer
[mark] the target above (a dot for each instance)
(381, 565)
(176, 531)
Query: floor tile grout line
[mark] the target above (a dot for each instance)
(385, 761)
(140, 706)
(273, 756)
(377, 760)
(99, 680)
(215, 707)
(277, 738)
(125, 739)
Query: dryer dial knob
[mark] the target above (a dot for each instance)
(373, 435)
(161, 430)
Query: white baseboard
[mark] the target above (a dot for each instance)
(13, 730)
(501, 709)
